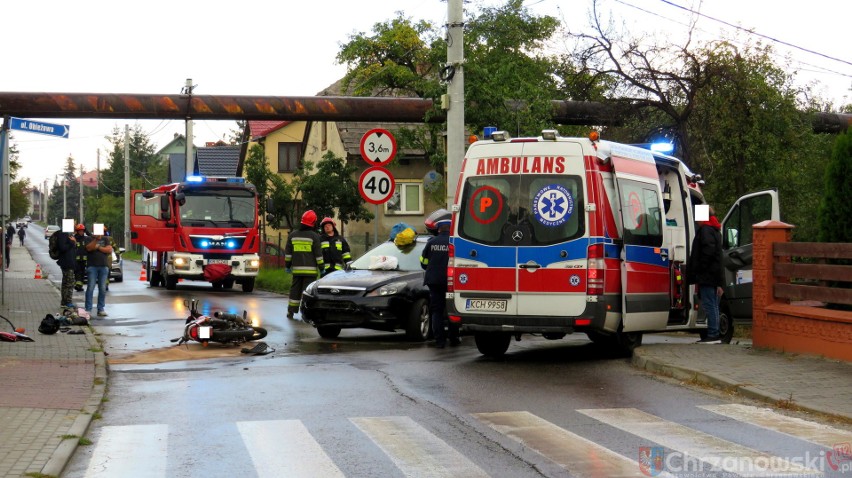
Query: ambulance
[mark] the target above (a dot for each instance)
(555, 235)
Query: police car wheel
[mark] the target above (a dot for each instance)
(418, 322)
(328, 331)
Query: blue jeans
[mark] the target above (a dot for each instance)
(96, 275)
(710, 304)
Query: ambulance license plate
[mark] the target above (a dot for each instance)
(489, 305)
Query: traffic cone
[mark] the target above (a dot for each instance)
(38, 272)
(143, 275)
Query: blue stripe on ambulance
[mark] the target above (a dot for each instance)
(646, 255)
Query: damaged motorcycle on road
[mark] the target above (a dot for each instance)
(223, 328)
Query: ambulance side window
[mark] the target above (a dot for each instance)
(641, 214)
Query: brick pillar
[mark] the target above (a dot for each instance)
(766, 234)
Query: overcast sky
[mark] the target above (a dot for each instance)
(287, 48)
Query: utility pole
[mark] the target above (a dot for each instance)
(126, 186)
(189, 159)
(454, 75)
(64, 197)
(44, 202)
(82, 216)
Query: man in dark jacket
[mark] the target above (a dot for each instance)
(82, 257)
(705, 270)
(67, 245)
(303, 257)
(434, 259)
(335, 249)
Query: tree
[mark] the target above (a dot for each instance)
(69, 194)
(19, 203)
(332, 190)
(258, 173)
(835, 221)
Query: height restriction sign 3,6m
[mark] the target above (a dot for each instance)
(376, 185)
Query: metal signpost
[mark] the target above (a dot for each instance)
(376, 185)
(18, 124)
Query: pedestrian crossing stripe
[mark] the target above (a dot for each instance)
(132, 450)
(816, 433)
(301, 457)
(415, 450)
(718, 453)
(570, 451)
(142, 450)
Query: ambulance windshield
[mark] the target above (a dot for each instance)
(522, 209)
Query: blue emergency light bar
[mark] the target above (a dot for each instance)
(214, 179)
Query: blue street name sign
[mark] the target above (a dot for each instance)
(50, 129)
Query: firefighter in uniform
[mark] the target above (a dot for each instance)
(434, 260)
(303, 256)
(335, 249)
(82, 257)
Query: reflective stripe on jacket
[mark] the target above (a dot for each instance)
(303, 252)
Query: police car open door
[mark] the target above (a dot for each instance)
(646, 291)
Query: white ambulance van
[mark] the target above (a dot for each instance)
(555, 235)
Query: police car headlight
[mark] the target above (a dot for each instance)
(387, 289)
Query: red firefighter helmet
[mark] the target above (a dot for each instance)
(309, 218)
(326, 220)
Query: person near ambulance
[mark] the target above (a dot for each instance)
(303, 256)
(335, 249)
(434, 259)
(66, 243)
(705, 270)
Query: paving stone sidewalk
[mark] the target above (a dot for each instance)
(51, 387)
(810, 383)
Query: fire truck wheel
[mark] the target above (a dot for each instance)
(217, 285)
(228, 284)
(627, 341)
(248, 285)
(492, 344)
(171, 282)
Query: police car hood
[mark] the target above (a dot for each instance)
(367, 279)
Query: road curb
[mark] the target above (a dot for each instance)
(650, 364)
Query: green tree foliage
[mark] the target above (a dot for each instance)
(258, 173)
(19, 203)
(332, 189)
(835, 220)
(65, 191)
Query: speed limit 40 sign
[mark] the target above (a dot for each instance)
(376, 185)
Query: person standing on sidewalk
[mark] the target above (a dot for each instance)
(67, 245)
(7, 245)
(82, 256)
(335, 249)
(97, 270)
(705, 270)
(302, 256)
(434, 259)
(22, 234)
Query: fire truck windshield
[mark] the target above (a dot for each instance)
(218, 208)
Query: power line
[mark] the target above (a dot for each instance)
(752, 32)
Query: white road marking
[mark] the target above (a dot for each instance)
(416, 451)
(819, 434)
(286, 448)
(132, 450)
(718, 453)
(576, 454)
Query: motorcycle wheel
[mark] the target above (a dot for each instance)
(259, 333)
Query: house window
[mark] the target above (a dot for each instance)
(407, 198)
(289, 157)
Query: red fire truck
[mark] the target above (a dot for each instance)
(204, 228)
